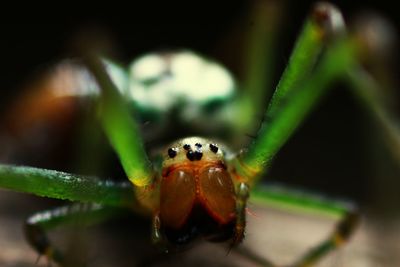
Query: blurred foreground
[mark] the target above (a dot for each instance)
(278, 235)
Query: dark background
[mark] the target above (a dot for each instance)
(328, 153)
(31, 38)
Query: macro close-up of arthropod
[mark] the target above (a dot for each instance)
(248, 155)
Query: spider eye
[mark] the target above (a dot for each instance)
(194, 155)
(213, 148)
(172, 152)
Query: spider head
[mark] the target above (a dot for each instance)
(197, 193)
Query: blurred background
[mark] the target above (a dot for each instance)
(338, 150)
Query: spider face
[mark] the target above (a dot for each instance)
(194, 150)
(197, 193)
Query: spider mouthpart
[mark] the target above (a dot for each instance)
(172, 152)
(213, 148)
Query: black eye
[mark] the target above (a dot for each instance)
(198, 145)
(194, 155)
(186, 146)
(172, 152)
(190, 155)
(198, 155)
(213, 148)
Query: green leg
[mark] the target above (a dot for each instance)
(120, 127)
(276, 129)
(305, 81)
(255, 258)
(259, 54)
(156, 235)
(85, 214)
(61, 185)
(369, 92)
(324, 24)
(242, 195)
(340, 235)
(289, 199)
(375, 93)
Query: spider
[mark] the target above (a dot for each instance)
(196, 186)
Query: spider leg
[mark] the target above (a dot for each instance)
(37, 225)
(259, 55)
(292, 199)
(288, 110)
(242, 195)
(119, 126)
(340, 235)
(61, 185)
(247, 253)
(324, 24)
(312, 66)
(156, 235)
(369, 92)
